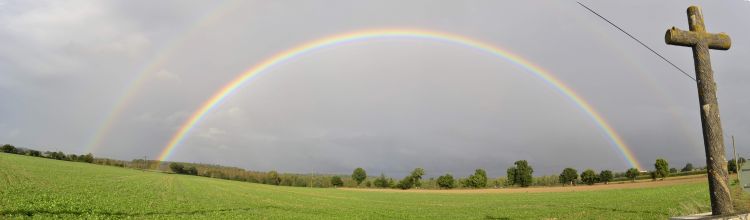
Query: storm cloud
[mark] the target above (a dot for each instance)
(385, 105)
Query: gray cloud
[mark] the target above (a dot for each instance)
(386, 105)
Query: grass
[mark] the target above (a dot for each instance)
(44, 188)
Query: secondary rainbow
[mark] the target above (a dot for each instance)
(157, 61)
(306, 48)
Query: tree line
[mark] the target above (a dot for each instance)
(86, 158)
(519, 174)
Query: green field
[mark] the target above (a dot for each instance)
(39, 187)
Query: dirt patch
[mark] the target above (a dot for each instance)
(615, 185)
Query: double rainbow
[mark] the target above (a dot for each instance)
(303, 49)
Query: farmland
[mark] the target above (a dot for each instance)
(44, 188)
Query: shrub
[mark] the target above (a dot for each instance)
(568, 176)
(405, 183)
(336, 181)
(446, 181)
(359, 175)
(177, 168)
(273, 178)
(688, 167)
(605, 176)
(589, 177)
(191, 171)
(662, 168)
(520, 174)
(381, 182)
(478, 180)
(9, 149)
(632, 173)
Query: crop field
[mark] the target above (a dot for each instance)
(44, 188)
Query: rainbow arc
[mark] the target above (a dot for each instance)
(257, 70)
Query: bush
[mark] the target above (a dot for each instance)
(9, 149)
(589, 177)
(177, 168)
(732, 166)
(382, 182)
(336, 181)
(688, 167)
(88, 158)
(520, 174)
(406, 183)
(416, 175)
(446, 181)
(359, 175)
(191, 171)
(662, 168)
(478, 180)
(273, 178)
(605, 176)
(568, 176)
(632, 173)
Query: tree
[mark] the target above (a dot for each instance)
(520, 174)
(368, 184)
(477, 180)
(191, 171)
(88, 158)
(605, 176)
(688, 167)
(672, 170)
(9, 149)
(35, 153)
(446, 181)
(336, 181)
(405, 183)
(359, 175)
(732, 166)
(177, 168)
(589, 177)
(381, 181)
(510, 176)
(568, 176)
(662, 168)
(273, 178)
(416, 175)
(632, 173)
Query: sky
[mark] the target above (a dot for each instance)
(119, 78)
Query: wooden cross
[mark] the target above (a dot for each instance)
(713, 138)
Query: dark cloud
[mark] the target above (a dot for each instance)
(388, 105)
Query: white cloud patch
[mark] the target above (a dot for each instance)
(212, 133)
(166, 75)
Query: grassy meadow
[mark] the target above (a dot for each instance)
(44, 188)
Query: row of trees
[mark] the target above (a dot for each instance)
(180, 168)
(520, 174)
(87, 158)
(569, 176)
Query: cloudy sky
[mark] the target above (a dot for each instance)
(118, 78)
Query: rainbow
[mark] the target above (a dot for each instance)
(306, 48)
(157, 61)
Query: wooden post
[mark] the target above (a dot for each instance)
(700, 41)
(737, 163)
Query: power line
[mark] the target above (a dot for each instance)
(636, 39)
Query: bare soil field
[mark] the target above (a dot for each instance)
(613, 185)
